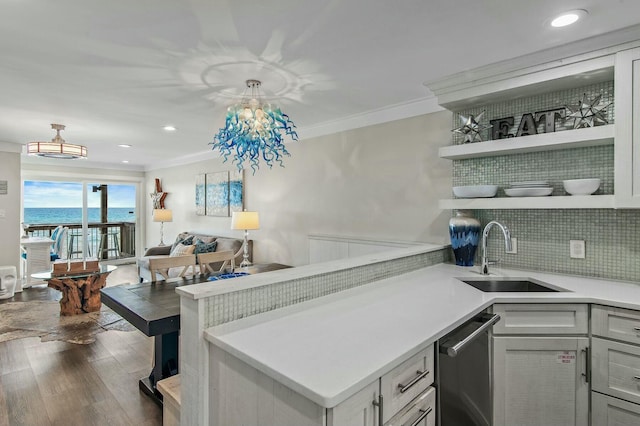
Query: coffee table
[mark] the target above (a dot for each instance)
(80, 291)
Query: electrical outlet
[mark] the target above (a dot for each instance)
(576, 249)
(514, 246)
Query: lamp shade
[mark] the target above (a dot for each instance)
(162, 215)
(245, 220)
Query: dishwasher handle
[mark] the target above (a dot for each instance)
(453, 348)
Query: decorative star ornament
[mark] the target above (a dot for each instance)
(588, 113)
(471, 128)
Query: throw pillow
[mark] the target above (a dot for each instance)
(187, 241)
(182, 250)
(181, 239)
(202, 247)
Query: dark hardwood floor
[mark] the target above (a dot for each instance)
(60, 383)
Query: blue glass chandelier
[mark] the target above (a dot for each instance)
(253, 130)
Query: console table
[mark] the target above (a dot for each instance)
(80, 291)
(153, 307)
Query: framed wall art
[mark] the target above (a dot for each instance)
(219, 193)
(200, 195)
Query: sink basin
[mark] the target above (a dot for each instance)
(496, 284)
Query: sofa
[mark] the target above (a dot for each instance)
(222, 244)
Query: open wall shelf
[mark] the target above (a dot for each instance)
(591, 136)
(551, 202)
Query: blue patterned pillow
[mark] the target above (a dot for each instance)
(187, 241)
(184, 241)
(202, 247)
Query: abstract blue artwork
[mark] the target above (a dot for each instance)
(219, 194)
(200, 195)
(235, 191)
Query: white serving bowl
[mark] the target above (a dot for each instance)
(475, 191)
(581, 186)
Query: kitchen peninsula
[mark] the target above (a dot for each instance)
(326, 350)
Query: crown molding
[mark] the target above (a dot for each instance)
(383, 115)
(561, 56)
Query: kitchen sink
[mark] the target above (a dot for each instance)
(496, 284)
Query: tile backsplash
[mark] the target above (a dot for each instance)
(552, 166)
(612, 240)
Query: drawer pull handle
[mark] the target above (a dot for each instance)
(636, 377)
(423, 415)
(420, 375)
(636, 329)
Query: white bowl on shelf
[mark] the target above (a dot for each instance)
(475, 191)
(581, 186)
(529, 192)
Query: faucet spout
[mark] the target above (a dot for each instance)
(485, 234)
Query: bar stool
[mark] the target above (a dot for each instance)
(75, 246)
(106, 248)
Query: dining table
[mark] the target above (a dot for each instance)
(153, 307)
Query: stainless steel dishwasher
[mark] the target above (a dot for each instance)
(463, 374)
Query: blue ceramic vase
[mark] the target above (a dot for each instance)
(464, 231)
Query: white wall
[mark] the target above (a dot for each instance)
(10, 224)
(381, 181)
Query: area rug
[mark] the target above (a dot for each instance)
(42, 318)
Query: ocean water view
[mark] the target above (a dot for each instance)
(59, 215)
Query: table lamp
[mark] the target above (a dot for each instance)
(162, 216)
(245, 220)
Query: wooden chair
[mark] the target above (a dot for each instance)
(205, 259)
(163, 264)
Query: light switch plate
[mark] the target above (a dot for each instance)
(514, 246)
(576, 249)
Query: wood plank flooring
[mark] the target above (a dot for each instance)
(60, 383)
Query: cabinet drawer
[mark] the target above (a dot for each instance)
(423, 408)
(608, 411)
(616, 323)
(541, 319)
(405, 382)
(616, 369)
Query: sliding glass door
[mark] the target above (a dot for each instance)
(101, 217)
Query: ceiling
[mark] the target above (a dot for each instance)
(115, 72)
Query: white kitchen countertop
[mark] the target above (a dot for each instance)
(329, 348)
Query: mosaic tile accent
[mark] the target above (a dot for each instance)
(612, 240)
(240, 304)
(552, 166)
(543, 102)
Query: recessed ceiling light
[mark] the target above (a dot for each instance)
(169, 128)
(568, 18)
(125, 161)
(124, 145)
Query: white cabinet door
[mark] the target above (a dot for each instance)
(627, 141)
(358, 410)
(616, 369)
(608, 411)
(540, 381)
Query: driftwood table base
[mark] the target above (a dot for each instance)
(80, 294)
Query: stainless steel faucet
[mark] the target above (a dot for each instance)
(507, 244)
